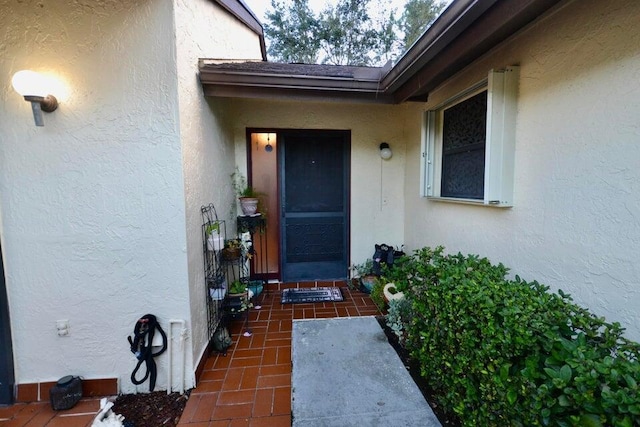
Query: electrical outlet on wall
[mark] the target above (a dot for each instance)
(63, 327)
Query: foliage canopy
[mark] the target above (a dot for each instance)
(349, 32)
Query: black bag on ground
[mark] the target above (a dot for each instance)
(222, 340)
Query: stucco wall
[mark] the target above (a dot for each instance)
(377, 195)
(91, 205)
(575, 223)
(205, 30)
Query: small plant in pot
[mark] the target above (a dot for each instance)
(247, 195)
(214, 240)
(363, 277)
(232, 249)
(238, 298)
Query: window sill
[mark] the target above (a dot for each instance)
(473, 202)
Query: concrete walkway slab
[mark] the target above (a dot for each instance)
(345, 373)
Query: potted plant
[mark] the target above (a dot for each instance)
(215, 242)
(237, 299)
(232, 249)
(363, 277)
(247, 195)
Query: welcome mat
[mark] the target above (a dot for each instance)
(292, 296)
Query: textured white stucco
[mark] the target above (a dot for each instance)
(92, 204)
(377, 197)
(575, 224)
(205, 30)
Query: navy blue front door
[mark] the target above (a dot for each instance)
(6, 352)
(314, 190)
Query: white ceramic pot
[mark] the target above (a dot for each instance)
(249, 205)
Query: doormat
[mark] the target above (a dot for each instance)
(292, 296)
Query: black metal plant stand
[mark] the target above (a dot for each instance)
(213, 236)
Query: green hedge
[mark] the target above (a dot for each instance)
(504, 352)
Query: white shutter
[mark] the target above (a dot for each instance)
(500, 142)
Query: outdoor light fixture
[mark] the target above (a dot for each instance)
(33, 87)
(385, 151)
(268, 148)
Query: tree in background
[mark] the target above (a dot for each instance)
(418, 15)
(345, 33)
(293, 31)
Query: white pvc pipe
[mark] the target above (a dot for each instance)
(183, 333)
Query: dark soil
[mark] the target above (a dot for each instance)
(151, 409)
(413, 367)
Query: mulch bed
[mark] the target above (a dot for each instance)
(157, 409)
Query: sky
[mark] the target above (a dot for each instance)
(260, 6)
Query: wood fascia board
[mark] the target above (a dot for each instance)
(487, 32)
(286, 80)
(296, 94)
(456, 19)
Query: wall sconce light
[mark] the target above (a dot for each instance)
(385, 151)
(33, 87)
(268, 148)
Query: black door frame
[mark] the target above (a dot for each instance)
(346, 135)
(7, 378)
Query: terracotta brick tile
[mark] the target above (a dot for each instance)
(277, 343)
(342, 311)
(84, 406)
(250, 378)
(245, 361)
(309, 313)
(205, 408)
(275, 370)
(71, 420)
(209, 386)
(284, 355)
(274, 381)
(331, 310)
(215, 374)
(11, 410)
(201, 424)
(221, 423)
(353, 311)
(248, 352)
(325, 315)
(233, 379)
(208, 365)
(27, 392)
(298, 313)
(41, 418)
(281, 314)
(242, 342)
(236, 397)
(240, 422)
(286, 325)
(264, 402)
(223, 412)
(269, 356)
(282, 401)
(190, 408)
(221, 362)
(257, 340)
(276, 421)
(279, 336)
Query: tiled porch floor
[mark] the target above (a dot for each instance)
(251, 386)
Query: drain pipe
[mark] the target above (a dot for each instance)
(183, 336)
